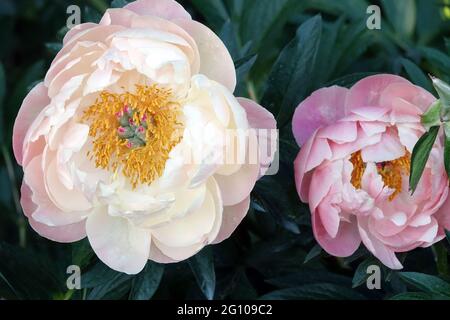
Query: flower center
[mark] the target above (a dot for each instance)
(391, 172)
(134, 132)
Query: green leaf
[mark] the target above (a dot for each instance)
(28, 273)
(229, 37)
(447, 148)
(264, 17)
(113, 289)
(91, 15)
(443, 90)
(401, 15)
(82, 253)
(426, 283)
(416, 74)
(432, 117)
(105, 282)
(53, 47)
(318, 291)
(349, 80)
(420, 155)
(202, 266)
(437, 58)
(147, 281)
(313, 253)
(244, 65)
(418, 296)
(309, 276)
(290, 78)
(2, 84)
(429, 23)
(119, 3)
(214, 12)
(98, 275)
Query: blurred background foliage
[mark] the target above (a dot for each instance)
(283, 50)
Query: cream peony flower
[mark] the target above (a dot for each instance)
(108, 140)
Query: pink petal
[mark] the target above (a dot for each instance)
(319, 152)
(32, 105)
(325, 106)
(367, 92)
(167, 9)
(302, 177)
(66, 233)
(215, 60)
(385, 254)
(340, 132)
(443, 214)
(329, 216)
(119, 244)
(76, 30)
(415, 95)
(232, 217)
(322, 180)
(389, 148)
(345, 243)
(371, 181)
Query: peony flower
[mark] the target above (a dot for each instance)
(353, 169)
(104, 140)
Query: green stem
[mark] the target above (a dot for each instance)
(100, 5)
(21, 223)
(440, 257)
(68, 294)
(251, 91)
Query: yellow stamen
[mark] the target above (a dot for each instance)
(358, 169)
(391, 172)
(146, 162)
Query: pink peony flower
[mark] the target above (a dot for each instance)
(353, 169)
(102, 139)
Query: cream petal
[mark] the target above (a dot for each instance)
(232, 217)
(236, 187)
(215, 60)
(36, 100)
(119, 244)
(190, 229)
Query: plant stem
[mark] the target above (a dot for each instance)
(252, 91)
(100, 5)
(15, 194)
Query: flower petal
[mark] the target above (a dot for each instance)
(65, 233)
(215, 60)
(367, 92)
(33, 104)
(325, 106)
(232, 217)
(345, 243)
(117, 242)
